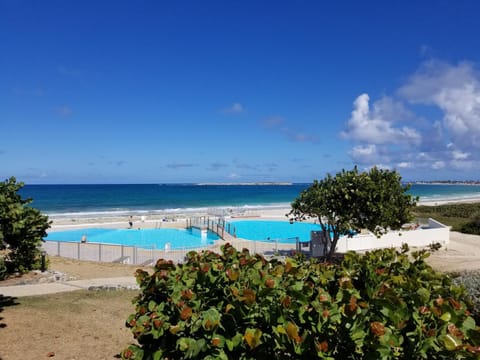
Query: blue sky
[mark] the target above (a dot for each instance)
(237, 91)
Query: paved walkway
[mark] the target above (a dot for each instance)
(57, 287)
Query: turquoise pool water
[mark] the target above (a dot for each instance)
(144, 238)
(282, 231)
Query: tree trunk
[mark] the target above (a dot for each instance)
(333, 244)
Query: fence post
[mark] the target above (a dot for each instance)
(58, 248)
(78, 251)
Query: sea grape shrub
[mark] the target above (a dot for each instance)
(472, 226)
(386, 304)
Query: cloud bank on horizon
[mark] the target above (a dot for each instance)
(431, 122)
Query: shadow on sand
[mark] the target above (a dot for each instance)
(4, 302)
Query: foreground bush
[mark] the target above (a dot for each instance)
(22, 228)
(472, 226)
(383, 305)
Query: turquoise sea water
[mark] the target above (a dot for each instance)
(104, 200)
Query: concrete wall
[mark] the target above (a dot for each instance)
(420, 237)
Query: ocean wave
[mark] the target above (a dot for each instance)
(216, 210)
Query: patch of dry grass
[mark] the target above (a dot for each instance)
(76, 325)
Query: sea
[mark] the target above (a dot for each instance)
(144, 199)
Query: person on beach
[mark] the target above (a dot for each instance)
(130, 222)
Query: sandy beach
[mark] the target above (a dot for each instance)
(165, 220)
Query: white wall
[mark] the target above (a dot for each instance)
(421, 237)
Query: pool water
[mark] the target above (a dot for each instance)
(144, 238)
(282, 231)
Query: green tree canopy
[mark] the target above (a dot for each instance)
(353, 200)
(22, 227)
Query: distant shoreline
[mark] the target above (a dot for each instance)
(468, 183)
(449, 202)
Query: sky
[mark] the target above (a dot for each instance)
(237, 91)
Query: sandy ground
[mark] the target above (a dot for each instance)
(77, 325)
(461, 254)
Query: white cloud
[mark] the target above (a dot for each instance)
(456, 91)
(443, 133)
(370, 154)
(437, 165)
(377, 126)
(458, 155)
(404, 165)
(364, 152)
(236, 108)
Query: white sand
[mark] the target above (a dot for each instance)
(161, 220)
(453, 201)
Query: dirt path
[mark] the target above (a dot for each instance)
(461, 254)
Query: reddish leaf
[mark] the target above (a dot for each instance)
(455, 304)
(423, 310)
(249, 296)
(473, 349)
(352, 305)
(377, 328)
(323, 297)
(322, 347)
(186, 294)
(286, 301)
(270, 283)
(186, 313)
(452, 329)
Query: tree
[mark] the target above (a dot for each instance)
(22, 227)
(350, 201)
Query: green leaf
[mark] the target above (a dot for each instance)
(424, 295)
(446, 317)
(450, 342)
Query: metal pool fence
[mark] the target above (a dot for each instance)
(141, 256)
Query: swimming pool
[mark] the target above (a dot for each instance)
(143, 238)
(282, 231)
